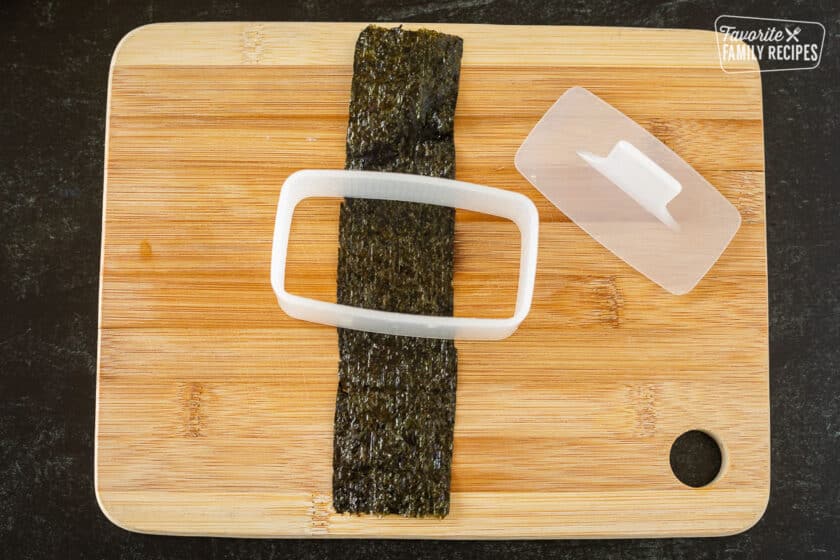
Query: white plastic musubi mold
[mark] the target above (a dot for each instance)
(410, 188)
(628, 190)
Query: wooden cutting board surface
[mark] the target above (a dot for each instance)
(215, 409)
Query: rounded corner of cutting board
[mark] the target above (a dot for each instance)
(107, 508)
(132, 39)
(751, 517)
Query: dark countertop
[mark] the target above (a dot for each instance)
(54, 58)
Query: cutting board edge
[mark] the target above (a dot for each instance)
(728, 527)
(145, 56)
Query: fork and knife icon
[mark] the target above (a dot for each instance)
(792, 34)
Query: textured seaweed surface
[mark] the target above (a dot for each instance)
(402, 105)
(395, 408)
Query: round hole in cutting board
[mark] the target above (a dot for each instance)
(696, 458)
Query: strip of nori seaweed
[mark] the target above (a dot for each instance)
(395, 408)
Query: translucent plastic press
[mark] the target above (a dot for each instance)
(628, 190)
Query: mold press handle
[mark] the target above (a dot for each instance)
(640, 178)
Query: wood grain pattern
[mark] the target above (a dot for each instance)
(215, 409)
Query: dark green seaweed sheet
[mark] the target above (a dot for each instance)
(395, 408)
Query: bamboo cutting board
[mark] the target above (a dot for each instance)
(215, 409)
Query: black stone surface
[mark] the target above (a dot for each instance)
(54, 57)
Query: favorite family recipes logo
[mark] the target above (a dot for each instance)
(776, 44)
